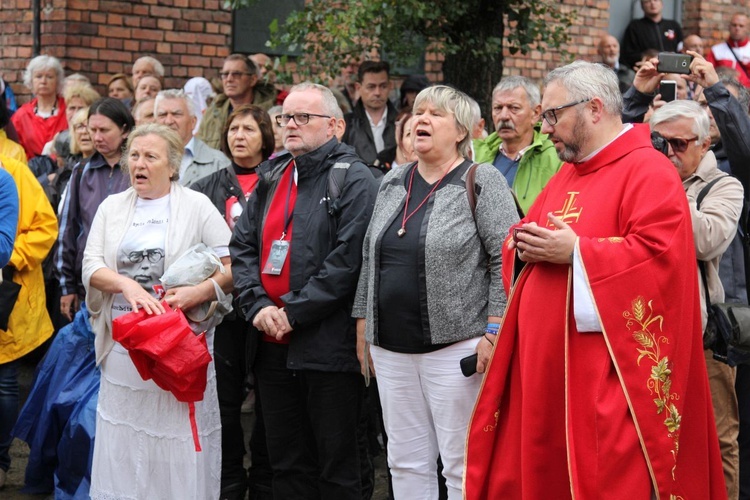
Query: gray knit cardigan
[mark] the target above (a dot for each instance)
(462, 290)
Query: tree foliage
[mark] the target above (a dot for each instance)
(470, 33)
(329, 33)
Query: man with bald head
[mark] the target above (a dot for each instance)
(609, 52)
(735, 51)
(693, 42)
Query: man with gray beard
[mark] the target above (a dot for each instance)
(517, 148)
(609, 52)
(602, 327)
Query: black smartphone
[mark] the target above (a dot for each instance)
(668, 90)
(671, 62)
(469, 365)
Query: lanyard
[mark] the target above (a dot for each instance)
(287, 215)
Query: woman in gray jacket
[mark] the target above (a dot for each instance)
(430, 289)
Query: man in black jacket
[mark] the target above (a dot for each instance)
(296, 254)
(651, 31)
(371, 126)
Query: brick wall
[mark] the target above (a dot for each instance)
(591, 22)
(707, 18)
(101, 37)
(710, 19)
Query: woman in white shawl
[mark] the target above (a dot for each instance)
(144, 445)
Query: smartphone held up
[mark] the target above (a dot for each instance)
(668, 90)
(671, 62)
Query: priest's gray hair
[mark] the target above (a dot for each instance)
(512, 82)
(676, 110)
(585, 80)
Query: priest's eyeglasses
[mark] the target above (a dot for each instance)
(550, 115)
(299, 118)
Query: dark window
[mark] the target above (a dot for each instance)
(250, 30)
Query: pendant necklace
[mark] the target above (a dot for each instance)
(401, 232)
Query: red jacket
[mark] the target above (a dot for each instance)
(721, 56)
(34, 131)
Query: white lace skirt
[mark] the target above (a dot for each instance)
(144, 445)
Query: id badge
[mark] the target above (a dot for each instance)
(277, 257)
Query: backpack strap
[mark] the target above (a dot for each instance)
(471, 186)
(472, 192)
(336, 177)
(701, 264)
(703, 192)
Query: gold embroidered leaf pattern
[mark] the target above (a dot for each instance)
(659, 382)
(661, 371)
(673, 420)
(659, 405)
(638, 308)
(643, 339)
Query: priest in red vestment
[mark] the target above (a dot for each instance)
(597, 387)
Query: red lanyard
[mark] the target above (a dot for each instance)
(401, 232)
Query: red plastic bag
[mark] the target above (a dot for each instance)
(164, 348)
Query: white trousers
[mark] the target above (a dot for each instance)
(427, 404)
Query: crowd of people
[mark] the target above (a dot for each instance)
(513, 314)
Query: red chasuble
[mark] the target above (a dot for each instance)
(612, 414)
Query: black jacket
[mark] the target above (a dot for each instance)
(325, 256)
(643, 33)
(359, 135)
(219, 187)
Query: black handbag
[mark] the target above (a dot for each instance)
(732, 321)
(727, 331)
(9, 291)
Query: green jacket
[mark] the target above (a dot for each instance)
(216, 115)
(538, 164)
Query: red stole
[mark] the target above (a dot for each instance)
(611, 414)
(282, 205)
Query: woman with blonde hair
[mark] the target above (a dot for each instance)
(430, 292)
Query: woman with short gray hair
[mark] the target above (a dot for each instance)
(39, 120)
(430, 292)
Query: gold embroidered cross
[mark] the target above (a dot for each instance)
(569, 211)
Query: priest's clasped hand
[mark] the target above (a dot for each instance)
(541, 244)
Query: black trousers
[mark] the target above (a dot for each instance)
(231, 373)
(311, 428)
(742, 387)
